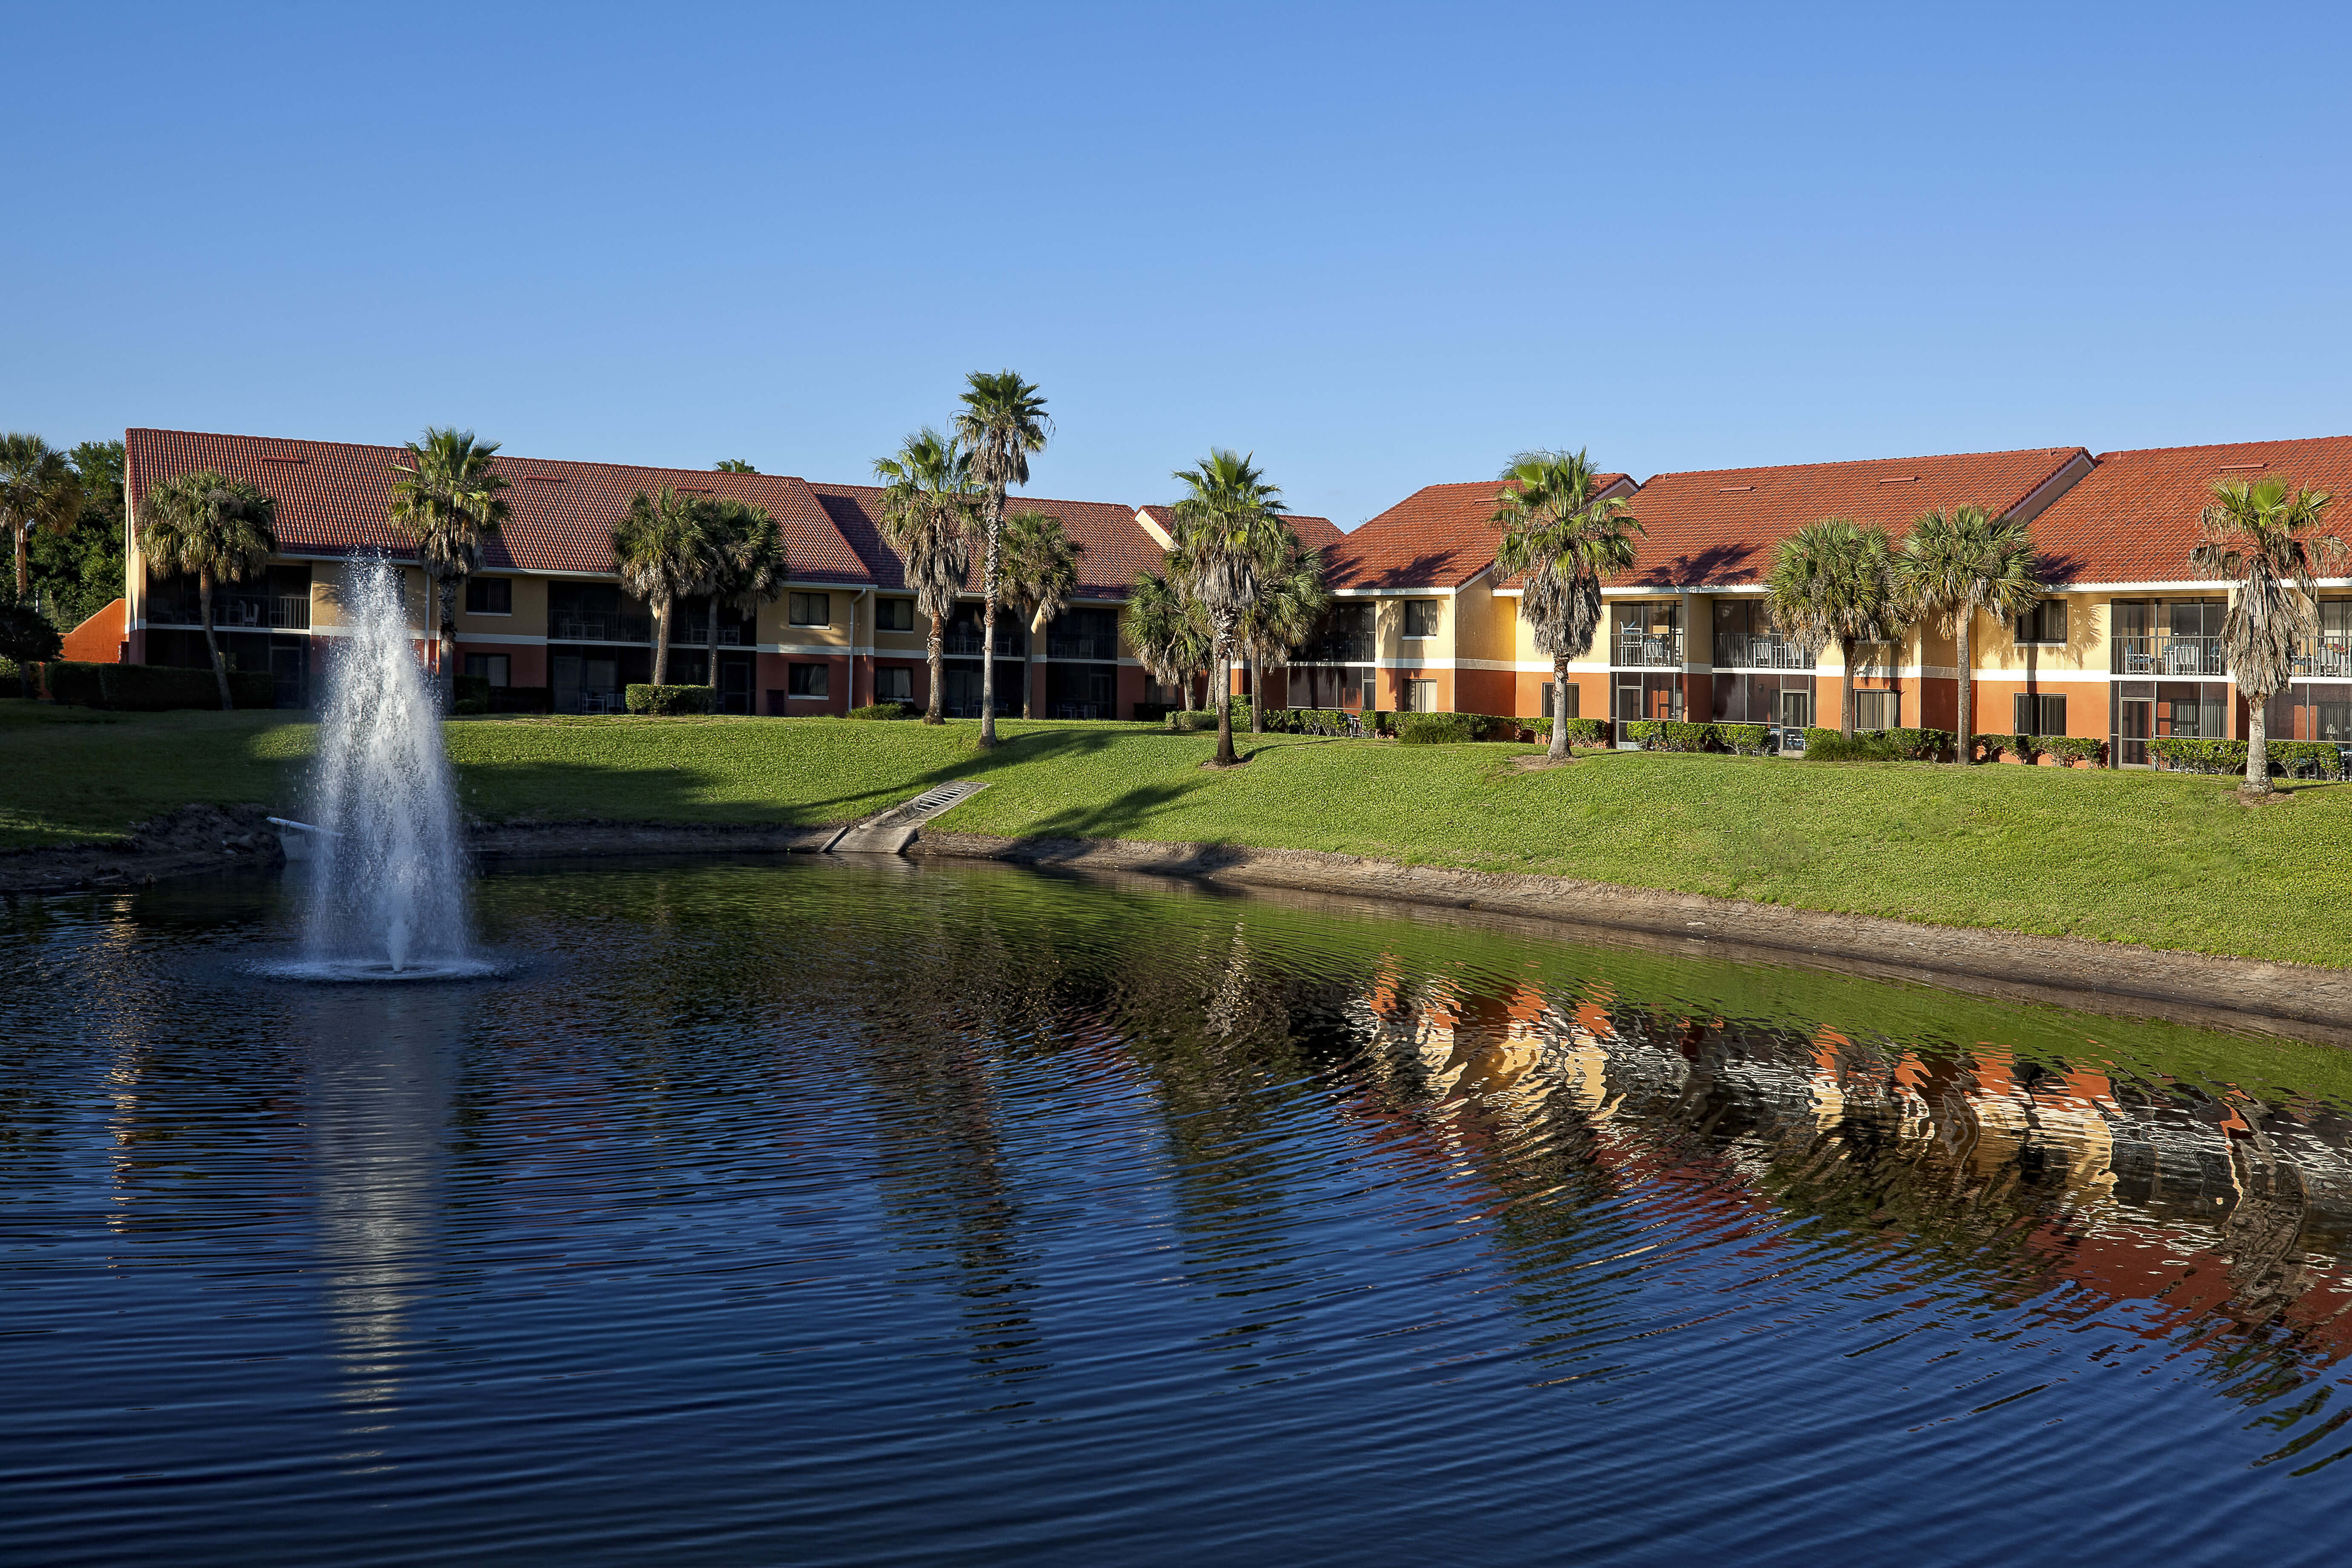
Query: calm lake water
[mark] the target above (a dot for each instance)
(814, 1214)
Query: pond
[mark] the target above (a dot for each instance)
(890, 1212)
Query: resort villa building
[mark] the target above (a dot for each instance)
(2125, 646)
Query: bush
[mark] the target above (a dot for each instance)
(1918, 745)
(671, 700)
(470, 688)
(1877, 745)
(2072, 748)
(1187, 720)
(2186, 755)
(890, 709)
(1747, 739)
(2308, 759)
(1676, 735)
(1153, 712)
(1992, 747)
(1435, 729)
(467, 705)
(152, 687)
(1640, 732)
(522, 700)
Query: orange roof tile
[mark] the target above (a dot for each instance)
(2133, 517)
(332, 497)
(1112, 546)
(1440, 536)
(1718, 527)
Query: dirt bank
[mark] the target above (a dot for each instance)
(518, 840)
(193, 839)
(2226, 992)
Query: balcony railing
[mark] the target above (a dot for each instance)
(694, 631)
(965, 641)
(1082, 647)
(1336, 650)
(2327, 660)
(1744, 650)
(565, 628)
(2172, 657)
(278, 612)
(1649, 650)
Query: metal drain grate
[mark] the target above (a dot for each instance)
(930, 803)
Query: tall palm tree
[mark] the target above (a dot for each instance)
(2261, 537)
(734, 466)
(1833, 581)
(446, 499)
(1002, 423)
(1561, 536)
(38, 488)
(662, 554)
(214, 528)
(1230, 537)
(1170, 633)
(1958, 565)
(1040, 568)
(927, 504)
(1290, 601)
(743, 565)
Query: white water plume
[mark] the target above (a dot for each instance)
(387, 871)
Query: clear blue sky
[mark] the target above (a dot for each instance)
(1378, 246)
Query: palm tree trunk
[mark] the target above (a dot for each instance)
(932, 648)
(1257, 696)
(1225, 757)
(1029, 677)
(1963, 716)
(1559, 709)
(710, 665)
(661, 639)
(995, 530)
(448, 648)
(2258, 743)
(211, 643)
(23, 565)
(1845, 689)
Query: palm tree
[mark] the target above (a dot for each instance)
(1003, 422)
(743, 565)
(1563, 539)
(1833, 581)
(2261, 537)
(733, 466)
(215, 529)
(1230, 538)
(1958, 564)
(38, 488)
(662, 554)
(1040, 568)
(446, 499)
(928, 499)
(1290, 601)
(1170, 633)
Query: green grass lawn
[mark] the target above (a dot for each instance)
(2164, 859)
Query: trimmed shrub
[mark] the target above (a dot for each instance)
(891, 709)
(1918, 745)
(2189, 755)
(2308, 759)
(1677, 735)
(1991, 748)
(661, 701)
(471, 688)
(522, 700)
(1746, 739)
(2068, 750)
(1153, 712)
(1877, 745)
(1186, 720)
(1435, 729)
(1643, 733)
(152, 687)
(469, 705)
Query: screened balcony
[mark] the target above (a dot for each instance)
(1760, 650)
(2166, 654)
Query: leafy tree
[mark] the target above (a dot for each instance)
(214, 529)
(38, 488)
(1289, 603)
(1563, 538)
(928, 505)
(1958, 564)
(662, 554)
(1230, 537)
(1004, 422)
(744, 564)
(447, 497)
(79, 571)
(734, 466)
(26, 638)
(1040, 569)
(1835, 581)
(1170, 632)
(2261, 536)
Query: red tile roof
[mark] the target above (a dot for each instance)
(1112, 546)
(1718, 527)
(1314, 533)
(2134, 518)
(1440, 536)
(331, 498)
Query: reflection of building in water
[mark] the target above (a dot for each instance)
(2184, 1201)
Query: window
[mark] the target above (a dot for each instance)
(489, 596)
(1877, 709)
(2040, 715)
(1421, 618)
(1549, 699)
(894, 685)
(811, 680)
(809, 610)
(891, 614)
(2046, 623)
(492, 667)
(1420, 696)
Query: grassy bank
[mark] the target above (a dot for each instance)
(2164, 859)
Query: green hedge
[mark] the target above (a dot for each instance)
(2306, 759)
(2184, 754)
(890, 709)
(2072, 748)
(1877, 745)
(1435, 729)
(471, 688)
(1747, 739)
(1153, 712)
(667, 700)
(1991, 748)
(152, 687)
(1581, 732)
(1187, 720)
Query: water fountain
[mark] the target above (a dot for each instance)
(383, 856)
